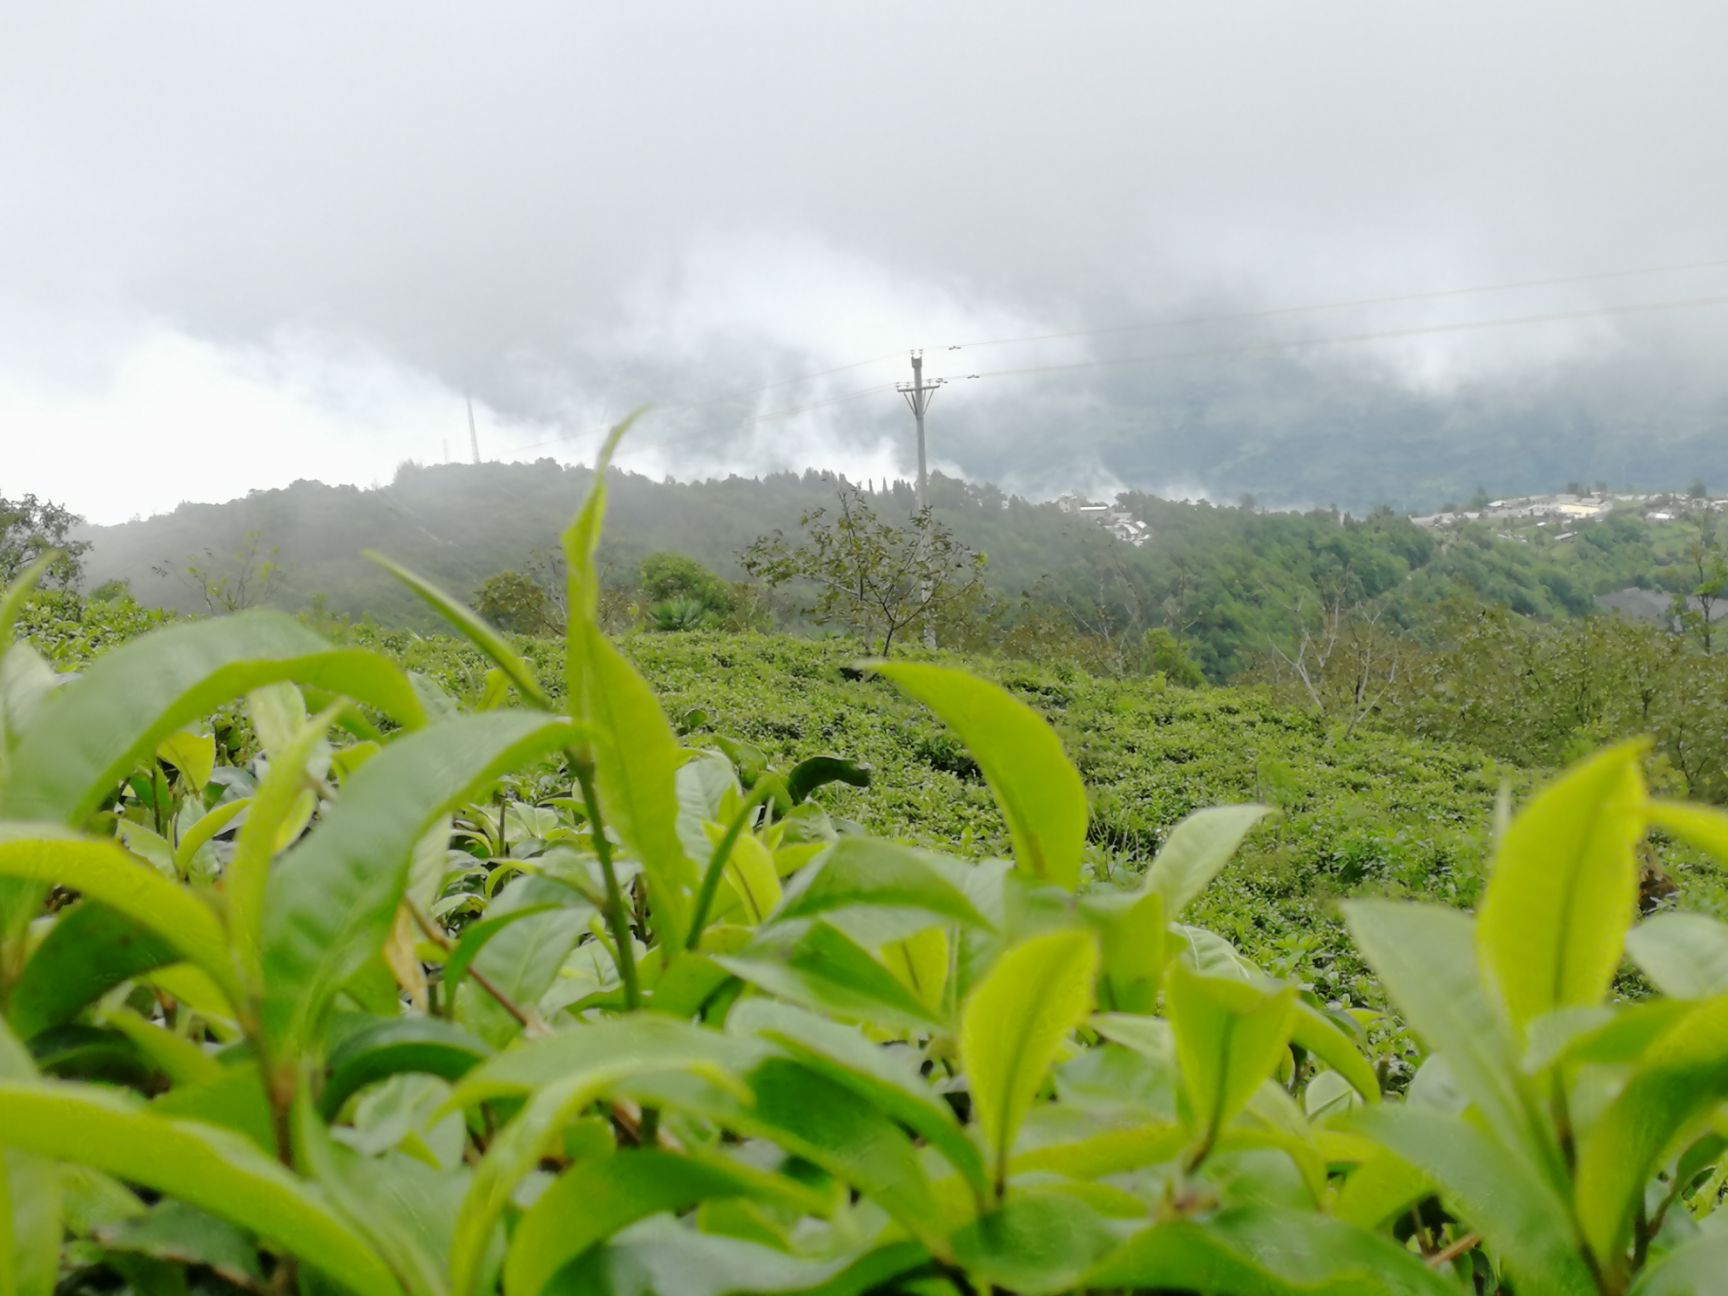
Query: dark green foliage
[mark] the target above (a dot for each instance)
(30, 528)
(515, 602)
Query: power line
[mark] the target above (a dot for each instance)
(1195, 321)
(1376, 335)
(1344, 304)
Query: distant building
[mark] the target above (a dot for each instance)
(1118, 521)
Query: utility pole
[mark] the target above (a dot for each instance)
(473, 436)
(918, 394)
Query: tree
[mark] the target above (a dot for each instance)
(683, 594)
(879, 579)
(1706, 584)
(246, 578)
(516, 602)
(1345, 661)
(31, 527)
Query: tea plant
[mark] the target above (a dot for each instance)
(386, 995)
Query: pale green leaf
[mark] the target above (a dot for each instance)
(1266, 1251)
(329, 903)
(1685, 955)
(1013, 1025)
(1683, 1076)
(108, 875)
(1564, 888)
(1425, 956)
(1230, 1036)
(637, 759)
(91, 733)
(196, 1163)
(1195, 851)
(1034, 783)
(193, 754)
(596, 1199)
(30, 1196)
(868, 872)
(1521, 1216)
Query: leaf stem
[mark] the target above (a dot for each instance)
(617, 916)
(1440, 1259)
(526, 1018)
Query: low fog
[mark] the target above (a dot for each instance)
(250, 244)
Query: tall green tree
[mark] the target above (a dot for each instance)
(31, 527)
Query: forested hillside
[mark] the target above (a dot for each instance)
(1230, 582)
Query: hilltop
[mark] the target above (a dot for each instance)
(1231, 582)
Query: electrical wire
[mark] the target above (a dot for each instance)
(1197, 321)
(1377, 335)
(1392, 299)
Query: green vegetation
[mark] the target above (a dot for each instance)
(446, 970)
(879, 580)
(1231, 585)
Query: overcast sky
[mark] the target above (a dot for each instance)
(246, 243)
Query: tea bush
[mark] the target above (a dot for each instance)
(392, 995)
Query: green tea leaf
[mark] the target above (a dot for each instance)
(30, 1197)
(379, 1198)
(273, 822)
(1682, 1077)
(562, 1074)
(395, 1046)
(821, 967)
(1013, 1025)
(868, 872)
(1267, 1251)
(1688, 1270)
(182, 1234)
(194, 755)
(199, 1164)
(1426, 957)
(1685, 955)
(589, 1203)
(107, 875)
(637, 759)
(1036, 786)
(659, 1256)
(816, 771)
(90, 733)
(1522, 1217)
(89, 950)
(1564, 888)
(1195, 851)
(208, 827)
(1314, 1031)
(1036, 1243)
(832, 1126)
(844, 1055)
(1230, 1037)
(330, 901)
